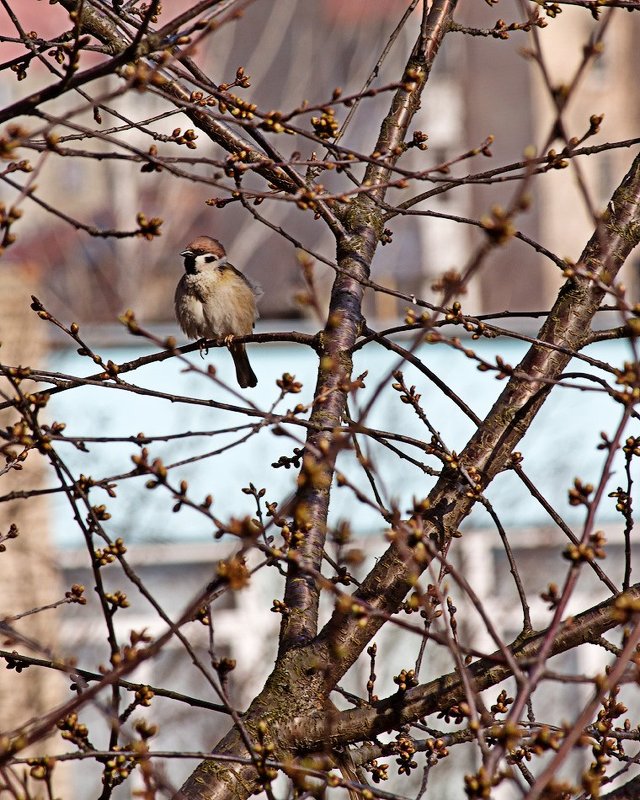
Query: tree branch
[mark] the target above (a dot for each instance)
(363, 220)
(489, 450)
(440, 694)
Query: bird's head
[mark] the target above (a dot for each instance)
(202, 254)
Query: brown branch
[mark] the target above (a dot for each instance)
(629, 791)
(24, 661)
(67, 382)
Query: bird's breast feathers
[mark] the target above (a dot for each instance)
(217, 303)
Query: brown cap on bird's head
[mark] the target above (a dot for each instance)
(204, 244)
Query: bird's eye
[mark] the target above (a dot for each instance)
(209, 259)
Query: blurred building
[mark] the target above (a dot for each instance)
(301, 51)
(29, 571)
(505, 95)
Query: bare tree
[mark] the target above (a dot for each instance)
(114, 53)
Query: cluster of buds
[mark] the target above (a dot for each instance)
(12, 533)
(14, 661)
(555, 160)
(247, 528)
(148, 228)
(586, 552)
(626, 607)
(407, 395)
(129, 653)
(405, 749)
(543, 741)
(76, 595)
(117, 768)
(478, 330)
(579, 493)
(551, 9)
(629, 377)
(508, 734)
(142, 11)
(279, 607)
(349, 607)
(117, 599)
(437, 748)
(326, 126)
(293, 535)
(411, 78)
(632, 446)
(237, 107)
(200, 99)
(156, 468)
(498, 227)
(272, 122)
(187, 138)
(144, 695)
(234, 572)
(427, 604)
(406, 679)
(108, 554)
(551, 595)
(74, 731)
(10, 140)
(290, 461)
(479, 785)
(7, 218)
(235, 166)
(419, 140)
(378, 772)
(264, 750)
(307, 197)
(458, 712)
(41, 768)
(411, 317)
(20, 70)
(288, 384)
(98, 513)
(242, 80)
(450, 283)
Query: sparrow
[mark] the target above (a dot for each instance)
(214, 300)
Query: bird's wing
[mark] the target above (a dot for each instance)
(255, 287)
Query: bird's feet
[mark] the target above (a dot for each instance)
(204, 350)
(228, 339)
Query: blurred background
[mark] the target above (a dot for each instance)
(295, 51)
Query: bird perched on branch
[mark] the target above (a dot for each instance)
(214, 300)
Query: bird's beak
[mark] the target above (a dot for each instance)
(185, 253)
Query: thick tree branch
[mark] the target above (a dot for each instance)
(440, 694)
(296, 684)
(363, 220)
(489, 450)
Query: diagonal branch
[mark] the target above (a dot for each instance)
(489, 450)
(448, 690)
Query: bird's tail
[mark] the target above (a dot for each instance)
(244, 373)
